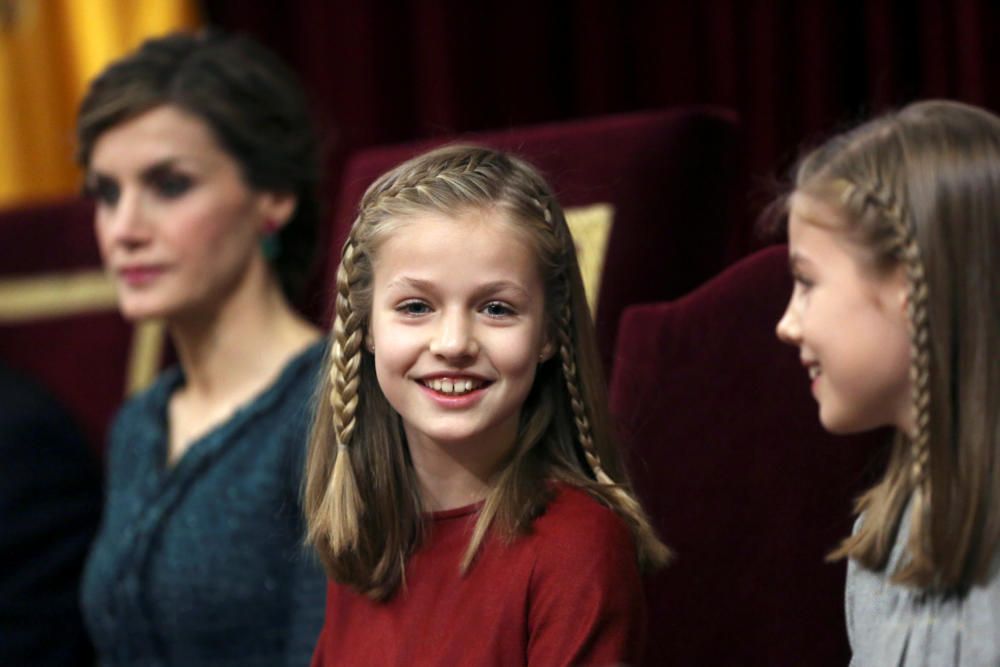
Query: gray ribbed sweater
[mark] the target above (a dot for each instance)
(891, 625)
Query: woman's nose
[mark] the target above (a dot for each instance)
(126, 221)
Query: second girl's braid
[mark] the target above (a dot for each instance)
(894, 210)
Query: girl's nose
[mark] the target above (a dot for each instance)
(454, 337)
(788, 329)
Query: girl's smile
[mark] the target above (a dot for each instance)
(458, 328)
(849, 324)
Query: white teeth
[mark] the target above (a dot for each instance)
(814, 372)
(452, 385)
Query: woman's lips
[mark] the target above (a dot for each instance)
(138, 276)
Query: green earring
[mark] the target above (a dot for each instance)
(270, 242)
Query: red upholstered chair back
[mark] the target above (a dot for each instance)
(729, 458)
(670, 178)
(58, 318)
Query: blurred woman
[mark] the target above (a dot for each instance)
(201, 158)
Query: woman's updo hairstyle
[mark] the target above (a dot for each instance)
(254, 106)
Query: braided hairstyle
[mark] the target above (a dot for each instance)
(362, 504)
(920, 189)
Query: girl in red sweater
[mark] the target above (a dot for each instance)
(463, 490)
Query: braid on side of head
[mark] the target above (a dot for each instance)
(417, 180)
(651, 551)
(344, 500)
(567, 354)
(894, 211)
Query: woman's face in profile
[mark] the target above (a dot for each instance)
(178, 229)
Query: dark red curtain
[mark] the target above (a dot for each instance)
(383, 72)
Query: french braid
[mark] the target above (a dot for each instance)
(893, 210)
(652, 551)
(414, 184)
(345, 498)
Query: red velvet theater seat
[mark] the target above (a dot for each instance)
(729, 458)
(671, 178)
(58, 318)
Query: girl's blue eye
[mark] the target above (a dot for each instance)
(498, 309)
(413, 308)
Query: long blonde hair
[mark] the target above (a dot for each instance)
(921, 189)
(361, 500)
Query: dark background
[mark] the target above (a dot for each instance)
(391, 71)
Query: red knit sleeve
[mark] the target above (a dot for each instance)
(587, 605)
(319, 653)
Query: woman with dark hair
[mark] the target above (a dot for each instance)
(201, 158)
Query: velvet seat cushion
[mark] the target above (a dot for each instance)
(729, 458)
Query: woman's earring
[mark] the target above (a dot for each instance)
(270, 243)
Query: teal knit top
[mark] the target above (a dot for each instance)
(202, 563)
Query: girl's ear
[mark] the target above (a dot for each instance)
(548, 349)
(901, 285)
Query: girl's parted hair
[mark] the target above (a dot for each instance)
(920, 188)
(362, 504)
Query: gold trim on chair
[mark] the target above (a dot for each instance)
(591, 230)
(57, 295)
(148, 341)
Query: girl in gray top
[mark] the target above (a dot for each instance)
(894, 246)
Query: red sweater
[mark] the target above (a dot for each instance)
(569, 593)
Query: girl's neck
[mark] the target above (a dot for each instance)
(459, 473)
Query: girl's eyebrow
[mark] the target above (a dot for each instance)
(407, 282)
(502, 286)
(796, 260)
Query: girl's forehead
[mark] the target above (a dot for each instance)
(449, 229)
(457, 251)
(807, 208)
